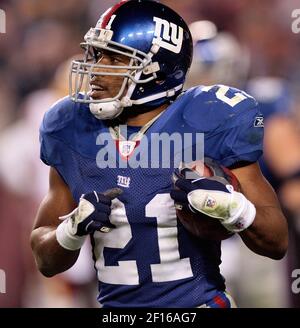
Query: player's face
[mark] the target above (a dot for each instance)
(108, 86)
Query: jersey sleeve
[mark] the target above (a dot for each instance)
(49, 153)
(231, 122)
(53, 128)
(243, 142)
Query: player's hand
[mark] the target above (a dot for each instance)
(214, 199)
(92, 213)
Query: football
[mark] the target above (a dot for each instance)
(201, 225)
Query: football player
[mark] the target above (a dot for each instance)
(136, 60)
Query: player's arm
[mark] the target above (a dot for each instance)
(268, 234)
(50, 257)
(253, 212)
(56, 243)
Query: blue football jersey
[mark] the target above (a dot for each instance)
(150, 259)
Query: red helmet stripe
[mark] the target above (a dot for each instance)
(113, 9)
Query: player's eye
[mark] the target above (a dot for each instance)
(117, 60)
(120, 60)
(97, 54)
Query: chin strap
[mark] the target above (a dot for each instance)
(109, 110)
(112, 109)
(168, 94)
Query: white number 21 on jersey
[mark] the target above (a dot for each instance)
(170, 268)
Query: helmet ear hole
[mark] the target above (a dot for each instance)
(160, 82)
(161, 78)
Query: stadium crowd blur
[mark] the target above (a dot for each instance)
(40, 39)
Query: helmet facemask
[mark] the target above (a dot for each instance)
(140, 70)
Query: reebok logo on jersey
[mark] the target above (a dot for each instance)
(259, 122)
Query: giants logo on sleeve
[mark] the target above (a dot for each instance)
(168, 35)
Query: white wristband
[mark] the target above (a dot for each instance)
(66, 239)
(243, 219)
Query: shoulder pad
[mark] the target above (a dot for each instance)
(58, 116)
(65, 117)
(216, 107)
(68, 125)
